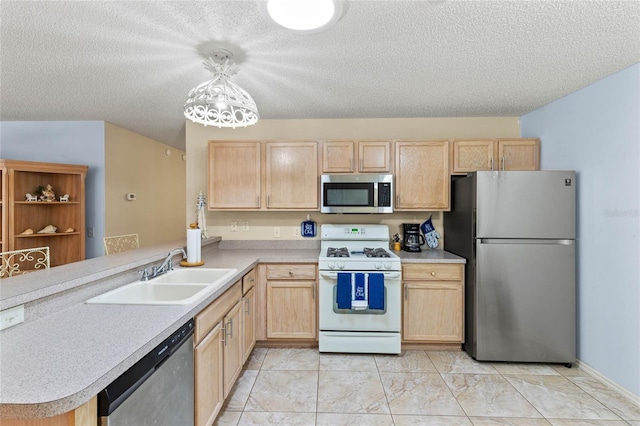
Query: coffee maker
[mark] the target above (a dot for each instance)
(412, 239)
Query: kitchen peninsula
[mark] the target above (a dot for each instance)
(67, 351)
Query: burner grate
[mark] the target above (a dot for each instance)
(337, 252)
(375, 252)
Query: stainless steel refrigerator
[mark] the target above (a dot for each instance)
(517, 231)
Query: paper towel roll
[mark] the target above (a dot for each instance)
(199, 246)
(194, 241)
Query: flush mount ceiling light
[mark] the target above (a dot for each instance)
(305, 15)
(220, 102)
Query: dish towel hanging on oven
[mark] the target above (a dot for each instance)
(359, 291)
(374, 284)
(352, 291)
(376, 291)
(343, 290)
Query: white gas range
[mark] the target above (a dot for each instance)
(358, 252)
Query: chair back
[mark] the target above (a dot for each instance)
(120, 243)
(17, 262)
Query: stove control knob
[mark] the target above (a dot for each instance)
(332, 265)
(387, 265)
(340, 265)
(378, 265)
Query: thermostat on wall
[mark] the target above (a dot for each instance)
(131, 196)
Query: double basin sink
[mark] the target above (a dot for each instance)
(176, 287)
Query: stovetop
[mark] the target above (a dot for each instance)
(356, 248)
(366, 252)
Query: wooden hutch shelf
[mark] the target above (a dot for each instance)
(17, 178)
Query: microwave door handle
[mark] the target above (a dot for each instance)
(375, 194)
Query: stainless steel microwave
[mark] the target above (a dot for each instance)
(356, 194)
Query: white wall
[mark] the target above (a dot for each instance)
(68, 142)
(596, 131)
(155, 172)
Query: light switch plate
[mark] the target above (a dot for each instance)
(12, 316)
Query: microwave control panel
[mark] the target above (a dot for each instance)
(384, 194)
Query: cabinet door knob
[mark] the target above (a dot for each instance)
(433, 274)
(290, 273)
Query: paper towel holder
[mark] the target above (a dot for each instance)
(184, 262)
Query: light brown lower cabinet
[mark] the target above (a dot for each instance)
(248, 323)
(86, 414)
(433, 303)
(208, 373)
(291, 302)
(218, 353)
(249, 313)
(232, 347)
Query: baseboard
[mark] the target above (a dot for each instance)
(454, 347)
(607, 381)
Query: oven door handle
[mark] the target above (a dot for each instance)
(387, 275)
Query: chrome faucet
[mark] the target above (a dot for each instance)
(167, 264)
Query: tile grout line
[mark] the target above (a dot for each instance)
(386, 395)
(449, 388)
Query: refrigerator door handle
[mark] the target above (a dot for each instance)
(525, 241)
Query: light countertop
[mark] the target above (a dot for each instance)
(67, 351)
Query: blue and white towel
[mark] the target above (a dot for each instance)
(376, 291)
(343, 293)
(359, 291)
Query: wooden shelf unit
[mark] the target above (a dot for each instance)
(22, 177)
(3, 209)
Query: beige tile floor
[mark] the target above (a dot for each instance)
(304, 387)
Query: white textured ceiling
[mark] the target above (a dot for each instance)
(133, 62)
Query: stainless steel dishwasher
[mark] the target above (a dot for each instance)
(157, 390)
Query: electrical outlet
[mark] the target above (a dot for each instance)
(12, 316)
(245, 225)
(296, 231)
(90, 232)
(234, 226)
(276, 232)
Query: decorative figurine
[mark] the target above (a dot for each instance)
(27, 231)
(69, 230)
(31, 197)
(49, 229)
(64, 197)
(48, 194)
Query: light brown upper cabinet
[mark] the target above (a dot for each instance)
(522, 154)
(422, 175)
(489, 154)
(234, 175)
(356, 157)
(291, 175)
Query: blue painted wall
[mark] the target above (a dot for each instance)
(69, 142)
(596, 131)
